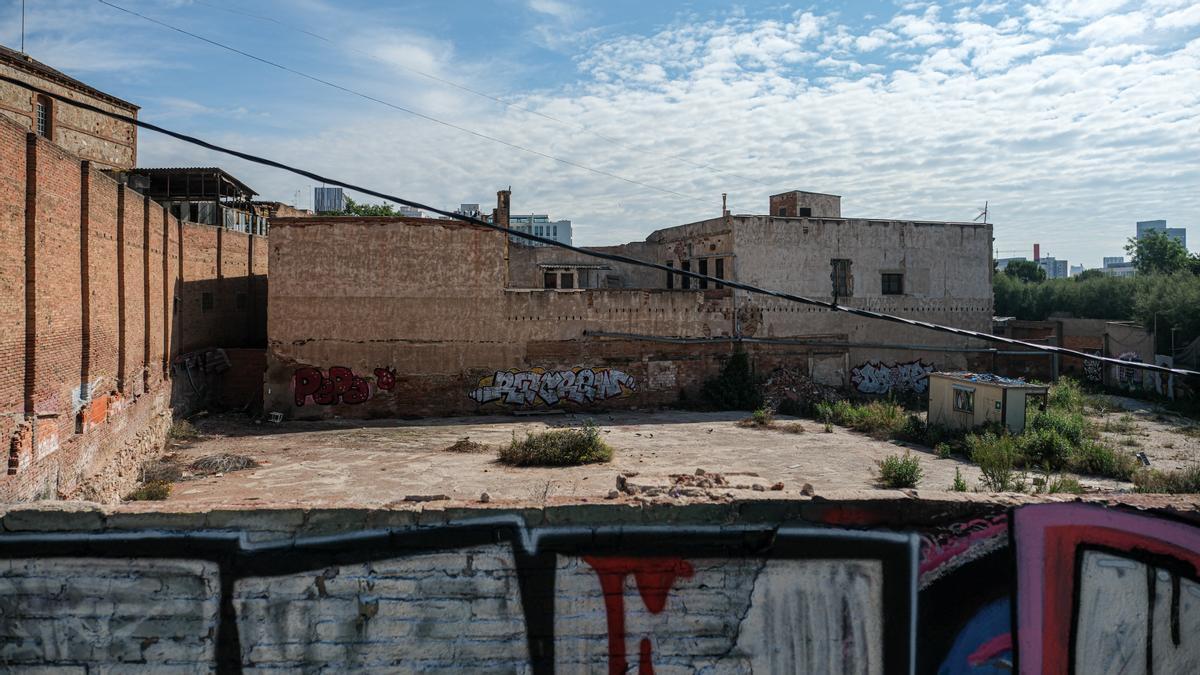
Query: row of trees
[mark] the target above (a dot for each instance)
(1165, 291)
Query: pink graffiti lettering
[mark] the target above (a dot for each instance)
(385, 378)
(341, 385)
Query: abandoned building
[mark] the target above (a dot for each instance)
(105, 142)
(204, 195)
(361, 321)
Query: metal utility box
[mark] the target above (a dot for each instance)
(964, 400)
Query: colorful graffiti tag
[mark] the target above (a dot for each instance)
(873, 377)
(553, 387)
(339, 385)
(1056, 587)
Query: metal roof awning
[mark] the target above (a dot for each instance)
(194, 183)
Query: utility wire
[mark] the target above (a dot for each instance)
(508, 104)
(832, 306)
(410, 111)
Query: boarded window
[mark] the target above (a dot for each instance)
(893, 284)
(670, 275)
(206, 302)
(840, 276)
(567, 280)
(806, 212)
(550, 280)
(783, 211)
(964, 400)
(685, 282)
(704, 271)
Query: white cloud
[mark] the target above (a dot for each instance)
(1114, 28)
(556, 8)
(1183, 18)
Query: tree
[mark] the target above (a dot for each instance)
(353, 208)
(1157, 253)
(1089, 274)
(1025, 270)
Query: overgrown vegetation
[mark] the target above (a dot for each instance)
(157, 490)
(736, 388)
(558, 447)
(960, 484)
(999, 458)
(764, 418)
(1179, 481)
(183, 430)
(900, 471)
(881, 419)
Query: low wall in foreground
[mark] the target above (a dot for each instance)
(879, 585)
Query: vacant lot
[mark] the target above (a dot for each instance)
(380, 462)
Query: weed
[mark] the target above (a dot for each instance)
(1046, 448)
(1072, 426)
(1130, 442)
(960, 485)
(1064, 484)
(761, 417)
(1122, 425)
(943, 450)
(829, 427)
(1066, 395)
(183, 430)
(1097, 459)
(900, 471)
(157, 490)
(558, 447)
(467, 446)
(791, 428)
(1179, 481)
(998, 457)
(881, 419)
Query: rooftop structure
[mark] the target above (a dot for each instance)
(206, 195)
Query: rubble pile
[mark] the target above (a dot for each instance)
(789, 384)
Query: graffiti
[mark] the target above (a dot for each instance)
(552, 387)
(874, 377)
(1093, 371)
(1128, 378)
(340, 385)
(1055, 587)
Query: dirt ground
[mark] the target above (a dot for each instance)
(377, 462)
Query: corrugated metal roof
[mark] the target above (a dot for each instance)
(32, 65)
(194, 169)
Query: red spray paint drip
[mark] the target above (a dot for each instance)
(654, 578)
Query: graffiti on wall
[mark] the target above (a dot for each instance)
(1128, 378)
(874, 377)
(553, 387)
(1093, 371)
(1095, 589)
(338, 385)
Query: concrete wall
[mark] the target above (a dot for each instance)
(880, 584)
(108, 143)
(95, 302)
(788, 205)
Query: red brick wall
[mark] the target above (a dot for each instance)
(92, 308)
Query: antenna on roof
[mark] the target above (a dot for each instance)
(982, 214)
(22, 26)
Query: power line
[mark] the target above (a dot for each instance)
(410, 111)
(508, 104)
(865, 313)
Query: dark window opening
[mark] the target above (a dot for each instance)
(45, 116)
(964, 400)
(893, 284)
(567, 280)
(206, 302)
(670, 275)
(782, 211)
(704, 271)
(241, 301)
(805, 212)
(177, 211)
(685, 282)
(720, 273)
(840, 276)
(194, 213)
(550, 280)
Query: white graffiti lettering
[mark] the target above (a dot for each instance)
(873, 377)
(552, 387)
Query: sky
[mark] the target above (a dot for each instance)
(1070, 119)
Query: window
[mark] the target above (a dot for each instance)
(550, 280)
(567, 280)
(720, 273)
(206, 302)
(893, 284)
(45, 116)
(685, 282)
(670, 275)
(555, 228)
(964, 399)
(843, 286)
(704, 271)
(194, 213)
(782, 211)
(806, 212)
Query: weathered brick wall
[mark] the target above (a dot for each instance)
(88, 289)
(847, 583)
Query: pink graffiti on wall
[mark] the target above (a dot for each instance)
(340, 385)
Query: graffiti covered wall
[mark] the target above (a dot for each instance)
(849, 589)
(874, 377)
(539, 387)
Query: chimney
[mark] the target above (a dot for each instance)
(1037, 252)
(724, 208)
(500, 215)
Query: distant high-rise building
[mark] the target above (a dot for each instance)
(1055, 269)
(1179, 234)
(409, 212)
(1076, 269)
(468, 210)
(1001, 263)
(1113, 261)
(329, 200)
(542, 226)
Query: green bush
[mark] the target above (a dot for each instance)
(1046, 448)
(1065, 484)
(1179, 481)
(1067, 395)
(998, 457)
(155, 490)
(960, 485)
(558, 447)
(1097, 459)
(1070, 425)
(736, 388)
(882, 419)
(900, 471)
(943, 450)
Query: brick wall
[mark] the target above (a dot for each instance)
(96, 309)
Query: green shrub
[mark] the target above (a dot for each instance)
(763, 417)
(156, 490)
(1066, 395)
(1179, 481)
(900, 471)
(882, 419)
(1094, 458)
(558, 447)
(959, 485)
(736, 388)
(1046, 448)
(998, 457)
(943, 450)
(1070, 425)
(1065, 484)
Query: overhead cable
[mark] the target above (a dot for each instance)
(613, 257)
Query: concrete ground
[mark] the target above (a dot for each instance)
(379, 462)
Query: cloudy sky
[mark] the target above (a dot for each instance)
(1072, 119)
